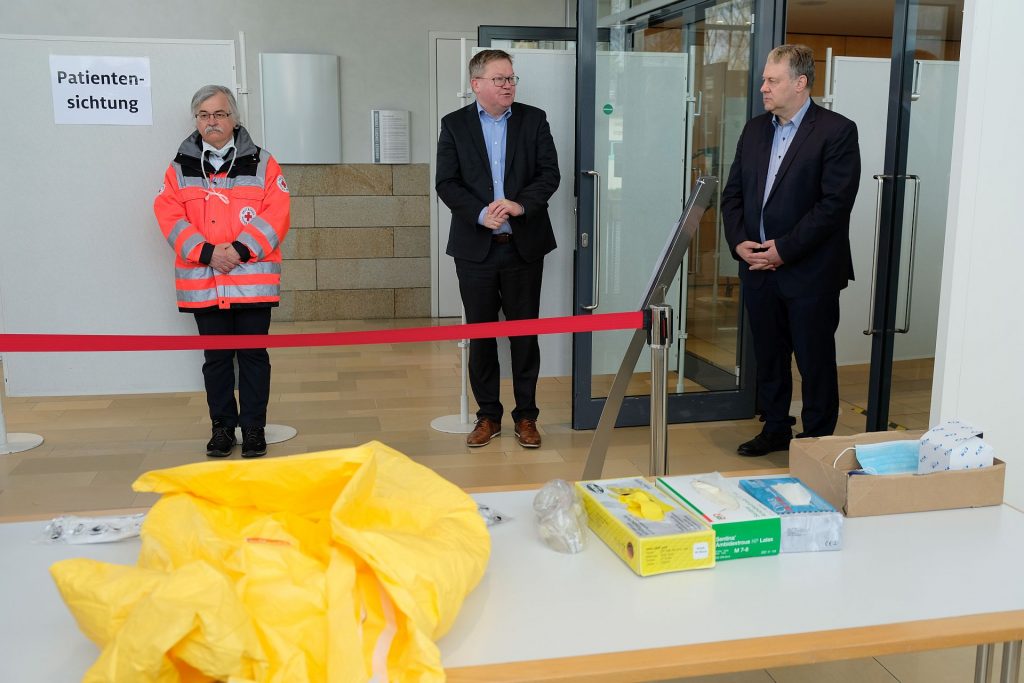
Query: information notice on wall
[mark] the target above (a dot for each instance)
(390, 131)
(94, 90)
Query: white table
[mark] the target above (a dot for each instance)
(901, 583)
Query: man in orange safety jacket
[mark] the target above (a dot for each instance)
(223, 208)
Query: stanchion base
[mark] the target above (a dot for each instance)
(18, 442)
(272, 433)
(452, 424)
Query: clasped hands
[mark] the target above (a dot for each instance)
(759, 256)
(225, 257)
(499, 211)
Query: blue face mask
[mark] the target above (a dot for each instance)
(889, 457)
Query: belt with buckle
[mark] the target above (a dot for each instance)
(503, 238)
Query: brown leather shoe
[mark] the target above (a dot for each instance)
(485, 430)
(526, 431)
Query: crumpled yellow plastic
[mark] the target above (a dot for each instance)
(340, 566)
(640, 503)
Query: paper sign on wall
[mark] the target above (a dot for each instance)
(390, 130)
(93, 90)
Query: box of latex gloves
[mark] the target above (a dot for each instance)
(643, 526)
(743, 527)
(809, 523)
(876, 473)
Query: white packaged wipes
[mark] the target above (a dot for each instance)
(78, 530)
(953, 445)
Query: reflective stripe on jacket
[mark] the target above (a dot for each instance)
(199, 207)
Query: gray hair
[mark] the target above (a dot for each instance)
(208, 91)
(800, 59)
(481, 59)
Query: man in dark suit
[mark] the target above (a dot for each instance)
(496, 169)
(786, 211)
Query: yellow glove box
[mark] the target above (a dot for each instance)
(644, 527)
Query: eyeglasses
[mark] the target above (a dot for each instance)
(499, 81)
(219, 115)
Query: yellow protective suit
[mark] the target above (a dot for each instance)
(341, 566)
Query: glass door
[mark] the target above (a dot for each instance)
(661, 106)
(889, 65)
(892, 68)
(926, 54)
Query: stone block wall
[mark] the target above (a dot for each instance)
(359, 244)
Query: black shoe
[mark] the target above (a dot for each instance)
(222, 442)
(253, 443)
(765, 443)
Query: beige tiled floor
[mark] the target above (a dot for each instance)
(95, 446)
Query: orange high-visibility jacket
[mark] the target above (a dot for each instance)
(199, 207)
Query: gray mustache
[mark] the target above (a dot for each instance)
(213, 129)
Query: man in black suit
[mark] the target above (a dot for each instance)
(786, 211)
(496, 169)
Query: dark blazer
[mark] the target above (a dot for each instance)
(464, 181)
(808, 210)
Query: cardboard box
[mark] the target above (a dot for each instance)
(864, 495)
(743, 527)
(676, 542)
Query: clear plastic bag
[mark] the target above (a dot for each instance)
(561, 519)
(78, 530)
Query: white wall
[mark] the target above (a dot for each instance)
(979, 365)
(382, 43)
(92, 260)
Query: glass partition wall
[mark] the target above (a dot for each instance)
(665, 104)
(662, 106)
(892, 68)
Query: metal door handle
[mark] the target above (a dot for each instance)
(915, 87)
(694, 253)
(874, 255)
(698, 103)
(913, 244)
(913, 248)
(597, 241)
(828, 98)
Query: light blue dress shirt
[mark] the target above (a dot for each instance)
(495, 130)
(784, 134)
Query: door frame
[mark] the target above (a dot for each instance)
(890, 228)
(691, 407)
(768, 30)
(437, 256)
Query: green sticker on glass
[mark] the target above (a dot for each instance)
(607, 109)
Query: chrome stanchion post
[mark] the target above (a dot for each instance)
(458, 424)
(14, 442)
(464, 388)
(659, 337)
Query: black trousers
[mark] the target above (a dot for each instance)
(502, 282)
(253, 368)
(805, 327)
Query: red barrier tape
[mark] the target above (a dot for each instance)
(37, 343)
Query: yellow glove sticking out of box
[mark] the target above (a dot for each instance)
(640, 503)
